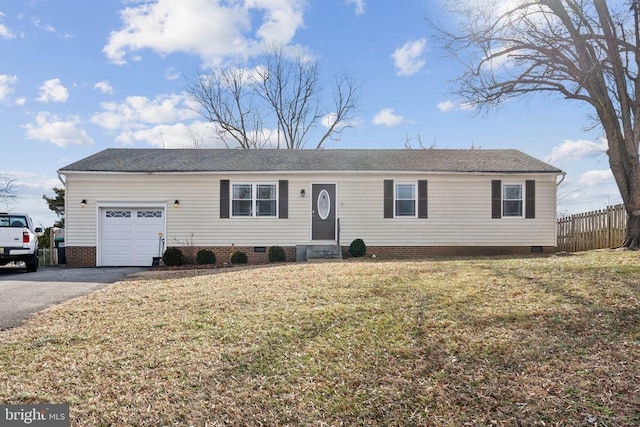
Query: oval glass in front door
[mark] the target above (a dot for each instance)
(324, 204)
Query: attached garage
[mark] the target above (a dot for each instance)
(130, 236)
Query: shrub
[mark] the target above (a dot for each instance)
(173, 256)
(276, 254)
(239, 257)
(357, 248)
(206, 256)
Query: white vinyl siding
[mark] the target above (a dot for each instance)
(359, 207)
(459, 214)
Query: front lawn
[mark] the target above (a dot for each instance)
(524, 341)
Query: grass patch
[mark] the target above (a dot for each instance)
(531, 341)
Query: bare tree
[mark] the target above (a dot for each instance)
(7, 189)
(196, 136)
(583, 50)
(277, 103)
(226, 98)
(408, 142)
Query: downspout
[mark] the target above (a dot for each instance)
(564, 175)
(64, 183)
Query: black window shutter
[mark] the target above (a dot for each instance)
(388, 198)
(496, 198)
(422, 199)
(283, 198)
(224, 198)
(530, 207)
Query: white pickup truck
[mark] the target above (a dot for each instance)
(18, 240)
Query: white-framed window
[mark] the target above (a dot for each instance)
(405, 200)
(252, 200)
(512, 200)
(266, 199)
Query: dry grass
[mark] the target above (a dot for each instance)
(533, 341)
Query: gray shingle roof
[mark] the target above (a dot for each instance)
(222, 160)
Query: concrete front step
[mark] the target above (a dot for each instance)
(312, 252)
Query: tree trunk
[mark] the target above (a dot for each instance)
(631, 200)
(632, 233)
(625, 167)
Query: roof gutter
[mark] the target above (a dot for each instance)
(62, 180)
(564, 175)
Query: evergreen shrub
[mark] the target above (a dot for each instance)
(357, 248)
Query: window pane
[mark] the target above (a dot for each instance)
(405, 208)
(405, 191)
(324, 204)
(266, 208)
(266, 192)
(118, 214)
(512, 208)
(149, 214)
(512, 192)
(241, 191)
(241, 207)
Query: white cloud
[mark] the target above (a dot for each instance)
(594, 189)
(53, 91)
(596, 178)
(154, 121)
(358, 4)
(51, 128)
(46, 27)
(281, 19)
(138, 112)
(171, 74)
(21, 101)
(328, 119)
(388, 118)
(214, 30)
(104, 87)
(177, 135)
(449, 105)
(409, 59)
(6, 83)
(576, 150)
(5, 33)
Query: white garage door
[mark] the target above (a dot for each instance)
(129, 237)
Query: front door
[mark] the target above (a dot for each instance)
(323, 212)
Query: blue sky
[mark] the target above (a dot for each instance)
(79, 76)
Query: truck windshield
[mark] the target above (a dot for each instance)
(12, 221)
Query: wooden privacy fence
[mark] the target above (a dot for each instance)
(592, 230)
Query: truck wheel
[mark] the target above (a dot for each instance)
(32, 264)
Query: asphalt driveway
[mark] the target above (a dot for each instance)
(23, 294)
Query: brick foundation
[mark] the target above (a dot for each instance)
(413, 252)
(85, 256)
(80, 256)
(223, 253)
